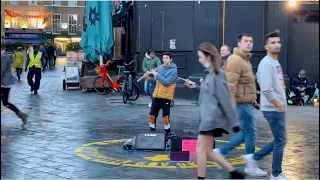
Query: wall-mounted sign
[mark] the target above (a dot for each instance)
(23, 35)
(172, 43)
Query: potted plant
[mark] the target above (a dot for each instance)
(73, 50)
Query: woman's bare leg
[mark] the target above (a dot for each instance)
(202, 155)
(218, 159)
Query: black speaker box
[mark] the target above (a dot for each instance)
(150, 141)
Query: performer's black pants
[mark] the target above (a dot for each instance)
(158, 104)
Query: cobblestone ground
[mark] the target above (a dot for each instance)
(70, 133)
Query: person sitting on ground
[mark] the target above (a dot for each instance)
(300, 85)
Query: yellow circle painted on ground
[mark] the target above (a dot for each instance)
(91, 152)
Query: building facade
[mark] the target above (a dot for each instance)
(180, 27)
(33, 21)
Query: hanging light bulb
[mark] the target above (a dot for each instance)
(292, 3)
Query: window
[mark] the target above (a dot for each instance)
(14, 2)
(33, 23)
(56, 21)
(306, 17)
(32, 2)
(56, 3)
(14, 22)
(72, 3)
(72, 20)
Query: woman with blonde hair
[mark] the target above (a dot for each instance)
(18, 59)
(217, 112)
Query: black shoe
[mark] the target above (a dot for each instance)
(31, 89)
(236, 175)
(152, 129)
(35, 92)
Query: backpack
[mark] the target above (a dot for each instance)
(293, 100)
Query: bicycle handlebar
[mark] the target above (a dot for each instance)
(129, 63)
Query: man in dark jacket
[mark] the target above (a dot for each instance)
(51, 53)
(7, 81)
(300, 85)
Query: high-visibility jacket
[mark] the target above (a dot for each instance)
(35, 61)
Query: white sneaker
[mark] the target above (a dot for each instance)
(255, 172)
(252, 168)
(280, 176)
(149, 105)
(217, 150)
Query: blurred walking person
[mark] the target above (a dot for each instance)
(18, 59)
(218, 114)
(7, 81)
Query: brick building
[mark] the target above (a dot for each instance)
(33, 21)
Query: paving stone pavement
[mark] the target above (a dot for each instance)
(69, 137)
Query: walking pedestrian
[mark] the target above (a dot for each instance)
(7, 81)
(217, 112)
(45, 55)
(18, 59)
(34, 62)
(242, 86)
(151, 61)
(55, 57)
(51, 53)
(273, 105)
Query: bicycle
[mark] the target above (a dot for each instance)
(130, 89)
(103, 83)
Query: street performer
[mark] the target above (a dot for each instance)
(217, 112)
(165, 80)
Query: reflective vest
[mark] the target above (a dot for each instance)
(35, 61)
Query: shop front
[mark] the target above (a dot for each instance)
(62, 42)
(25, 37)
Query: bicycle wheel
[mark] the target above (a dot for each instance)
(134, 92)
(103, 89)
(125, 97)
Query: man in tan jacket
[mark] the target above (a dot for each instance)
(242, 87)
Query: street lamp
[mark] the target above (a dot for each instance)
(64, 26)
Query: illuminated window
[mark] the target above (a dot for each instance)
(56, 21)
(14, 22)
(33, 23)
(72, 20)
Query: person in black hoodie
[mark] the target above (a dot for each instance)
(300, 85)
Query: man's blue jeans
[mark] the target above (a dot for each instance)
(277, 123)
(149, 88)
(248, 132)
(51, 61)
